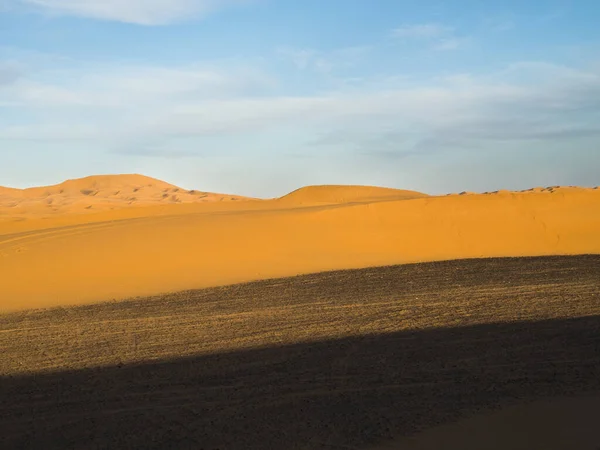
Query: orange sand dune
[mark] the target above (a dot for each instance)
(98, 193)
(71, 258)
(312, 195)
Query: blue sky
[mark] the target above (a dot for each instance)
(259, 97)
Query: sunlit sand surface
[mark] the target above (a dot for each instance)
(87, 240)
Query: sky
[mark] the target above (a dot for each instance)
(260, 97)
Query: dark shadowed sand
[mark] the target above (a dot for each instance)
(553, 424)
(493, 353)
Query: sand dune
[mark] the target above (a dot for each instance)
(98, 193)
(312, 195)
(70, 258)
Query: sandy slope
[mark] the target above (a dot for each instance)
(70, 258)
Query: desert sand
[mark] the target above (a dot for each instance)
(113, 237)
(551, 424)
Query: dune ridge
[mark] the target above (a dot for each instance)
(71, 258)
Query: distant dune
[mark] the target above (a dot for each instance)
(333, 194)
(99, 193)
(83, 241)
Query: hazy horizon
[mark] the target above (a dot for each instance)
(192, 188)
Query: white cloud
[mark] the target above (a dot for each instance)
(142, 12)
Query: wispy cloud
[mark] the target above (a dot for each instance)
(132, 110)
(124, 87)
(437, 36)
(499, 22)
(449, 44)
(300, 57)
(422, 31)
(142, 12)
(551, 16)
(504, 25)
(155, 151)
(9, 73)
(320, 61)
(149, 114)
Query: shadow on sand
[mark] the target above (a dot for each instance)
(349, 393)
